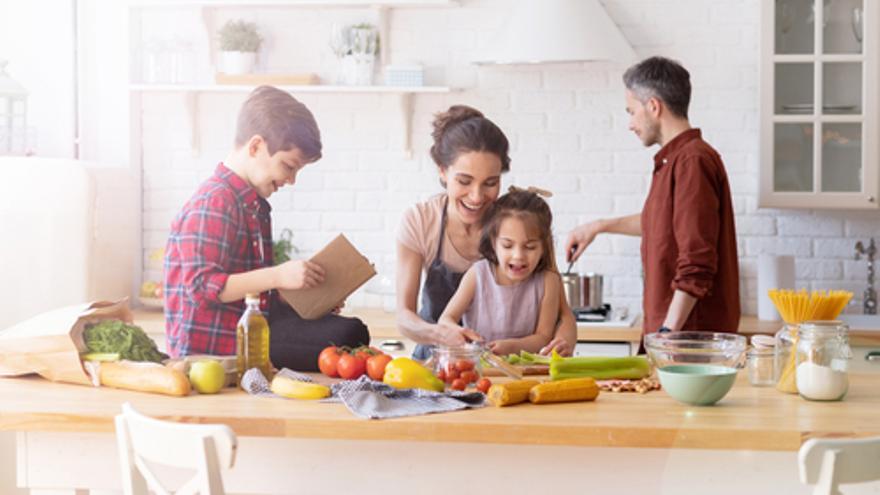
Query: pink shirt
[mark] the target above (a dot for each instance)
(503, 311)
(420, 230)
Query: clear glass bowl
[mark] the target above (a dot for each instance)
(696, 368)
(708, 348)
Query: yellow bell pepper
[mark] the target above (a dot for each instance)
(403, 372)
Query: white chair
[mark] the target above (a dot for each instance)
(829, 462)
(145, 443)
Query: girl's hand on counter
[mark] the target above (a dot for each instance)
(504, 347)
(562, 346)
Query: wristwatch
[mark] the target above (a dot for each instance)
(664, 329)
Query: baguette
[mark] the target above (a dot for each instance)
(144, 377)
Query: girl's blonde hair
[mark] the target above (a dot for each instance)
(534, 213)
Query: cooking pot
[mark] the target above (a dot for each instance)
(583, 291)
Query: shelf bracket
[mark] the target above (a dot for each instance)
(191, 100)
(406, 114)
(384, 36)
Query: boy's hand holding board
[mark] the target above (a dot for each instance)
(345, 269)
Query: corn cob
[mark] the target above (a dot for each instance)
(571, 390)
(510, 393)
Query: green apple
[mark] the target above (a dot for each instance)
(207, 376)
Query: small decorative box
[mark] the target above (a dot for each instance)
(404, 75)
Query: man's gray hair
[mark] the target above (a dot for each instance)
(662, 78)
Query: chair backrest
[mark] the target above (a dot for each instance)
(144, 442)
(828, 462)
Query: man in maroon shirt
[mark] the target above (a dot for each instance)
(687, 228)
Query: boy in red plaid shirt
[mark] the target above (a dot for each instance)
(220, 246)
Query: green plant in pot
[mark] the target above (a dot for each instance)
(239, 43)
(282, 247)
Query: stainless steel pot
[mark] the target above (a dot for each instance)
(571, 287)
(583, 291)
(591, 291)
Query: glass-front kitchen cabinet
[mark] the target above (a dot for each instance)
(819, 104)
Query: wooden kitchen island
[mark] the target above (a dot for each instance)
(638, 443)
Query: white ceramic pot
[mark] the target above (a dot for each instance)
(237, 62)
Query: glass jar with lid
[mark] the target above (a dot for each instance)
(458, 367)
(823, 355)
(760, 361)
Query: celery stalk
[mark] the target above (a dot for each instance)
(600, 368)
(531, 358)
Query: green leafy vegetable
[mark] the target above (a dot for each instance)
(116, 337)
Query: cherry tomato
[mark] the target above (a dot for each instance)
(328, 361)
(376, 366)
(351, 366)
(468, 376)
(441, 375)
(363, 352)
(451, 374)
(464, 365)
(483, 384)
(458, 384)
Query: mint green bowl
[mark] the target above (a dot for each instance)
(697, 384)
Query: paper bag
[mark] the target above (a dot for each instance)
(345, 269)
(49, 344)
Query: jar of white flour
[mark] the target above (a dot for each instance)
(823, 355)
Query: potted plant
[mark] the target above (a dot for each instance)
(239, 43)
(356, 46)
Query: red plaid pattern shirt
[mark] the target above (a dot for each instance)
(224, 228)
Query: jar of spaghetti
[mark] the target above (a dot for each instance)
(784, 360)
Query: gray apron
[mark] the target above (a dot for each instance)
(440, 284)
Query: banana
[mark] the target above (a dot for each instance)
(295, 389)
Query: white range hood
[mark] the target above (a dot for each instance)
(552, 31)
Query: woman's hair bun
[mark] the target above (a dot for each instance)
(456, 113)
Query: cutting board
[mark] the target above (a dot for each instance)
(534, 369)
(271, 79)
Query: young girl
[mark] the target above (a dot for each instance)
(511, 297)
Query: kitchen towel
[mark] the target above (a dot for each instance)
(370, 399)
(774, 272)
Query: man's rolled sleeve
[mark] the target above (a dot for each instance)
(696, 227)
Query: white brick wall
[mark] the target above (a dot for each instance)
(566, 123)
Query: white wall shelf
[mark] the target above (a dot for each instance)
(323, 4)
(312, 88)
(191, 92)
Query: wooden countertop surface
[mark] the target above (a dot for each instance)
(383, 325)
(749, 418)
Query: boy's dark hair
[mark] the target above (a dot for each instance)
(661, 78)
(462, 129)
(281, 120)
(533, 211)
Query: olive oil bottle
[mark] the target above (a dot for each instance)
(252, 339)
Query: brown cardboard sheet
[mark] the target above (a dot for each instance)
(345, 269)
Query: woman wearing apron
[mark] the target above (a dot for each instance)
(441, 235)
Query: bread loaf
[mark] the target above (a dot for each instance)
(144, 377)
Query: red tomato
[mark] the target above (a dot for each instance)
(441, 375)
(363, 352)
(458, 384)
(464, 365)
(483, 385)
(468, 376)
(376, 366)
(351, 366)
(328, 361)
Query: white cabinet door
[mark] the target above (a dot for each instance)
(819, 134)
